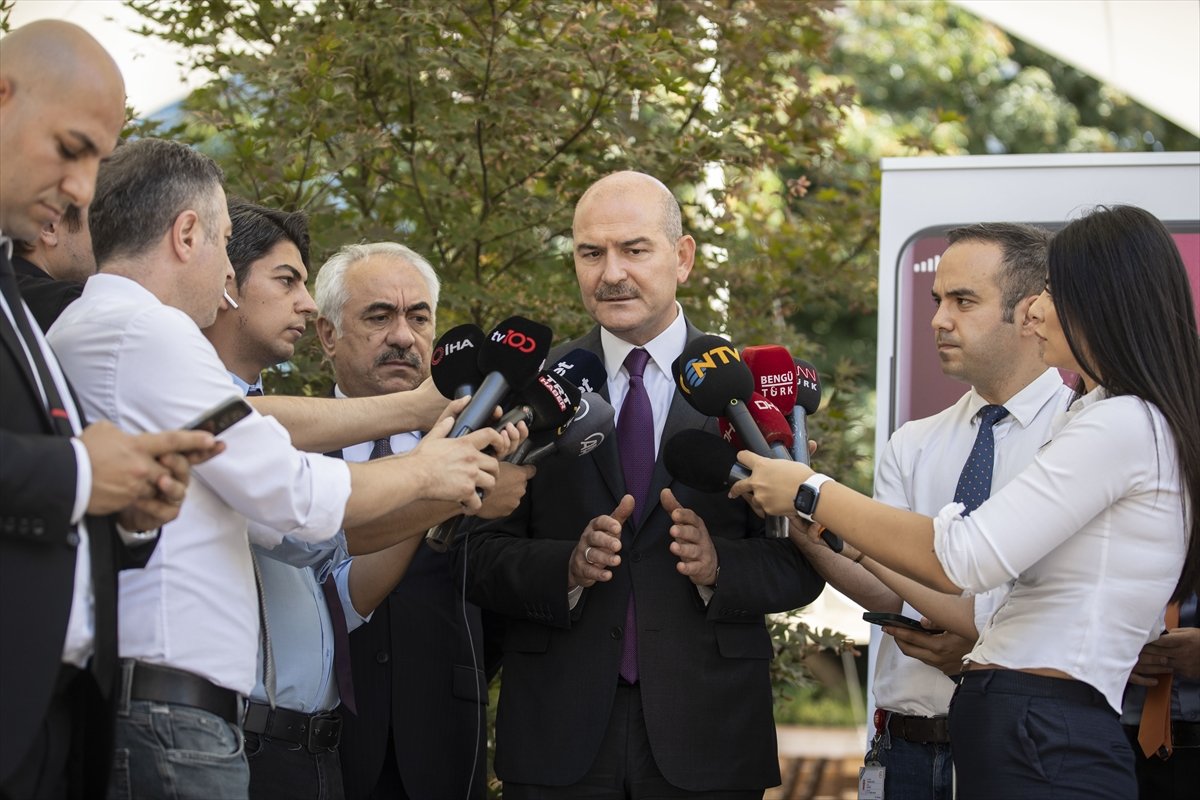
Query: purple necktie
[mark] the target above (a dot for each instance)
(341, 645)
(635, 441)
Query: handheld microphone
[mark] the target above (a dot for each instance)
(592, 424)
(771, 423)
(509, 358)
(808, 400)
(582, 368)
(712, 378)
(778, 435)
(774, 374)
(703, 461)
(454, 364)
(547, 403)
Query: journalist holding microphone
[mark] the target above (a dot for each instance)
(1092, 535)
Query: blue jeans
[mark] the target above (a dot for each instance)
(915, 771)
(176, 752)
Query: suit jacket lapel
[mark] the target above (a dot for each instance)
(606, 457)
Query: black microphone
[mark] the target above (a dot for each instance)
(582, 368)
(509, 358)
(546, 404)
(454, 364)
(592, 424)
(712, 378)
(703, 461)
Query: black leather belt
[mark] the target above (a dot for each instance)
(167, 685)
(1183, 734)
(317, 732)
(922, 730)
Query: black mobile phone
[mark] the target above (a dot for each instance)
(883, 618)
(218, 419)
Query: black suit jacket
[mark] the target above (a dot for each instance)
(703, 671)
(414, 672)
(45, 296)
(37, 566)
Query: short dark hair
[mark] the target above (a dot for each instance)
(140, 191)
(256, 229)
(1023, 254)
(1124, 301)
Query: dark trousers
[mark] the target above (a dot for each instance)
(1176, 778)
(624, 768)
(63, 759)
(1037, 738)
(284, 771)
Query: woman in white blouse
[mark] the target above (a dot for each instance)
(1092, 535)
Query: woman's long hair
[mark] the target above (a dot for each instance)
(1125, 305)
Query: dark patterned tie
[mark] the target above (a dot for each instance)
(635, 441)
(975, 482)
(382, 448)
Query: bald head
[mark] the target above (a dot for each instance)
(628, 183)
(62, 107)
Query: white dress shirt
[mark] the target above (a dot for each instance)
(919, 471)
(1094, 533)
(147, 367)
(81, 622)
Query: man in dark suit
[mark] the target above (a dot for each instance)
(636, 653)
(52, 267)
(61, 109)
(419, 664)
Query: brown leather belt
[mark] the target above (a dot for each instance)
(922, 730)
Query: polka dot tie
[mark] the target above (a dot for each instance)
(975, 482)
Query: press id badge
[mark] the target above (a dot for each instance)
(870, 782)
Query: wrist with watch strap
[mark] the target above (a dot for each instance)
(808, 494)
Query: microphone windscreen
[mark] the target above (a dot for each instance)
(582, 368)
(455, 361)
(710, 373)
(808, 386)
(516, 349)
(774, 374)
(594, 422)
(699, 459)
(553, 399)
(769, 420)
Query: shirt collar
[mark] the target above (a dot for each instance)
(245, 387)
(1023, 407)
(663, 349)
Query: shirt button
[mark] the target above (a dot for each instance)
(616, 632)
(381, 657)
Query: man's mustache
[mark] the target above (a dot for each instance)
(408, 356)
(609, 291)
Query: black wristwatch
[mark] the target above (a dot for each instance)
(808, 495)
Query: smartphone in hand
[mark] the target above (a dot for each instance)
(218, 419)
(883, 618)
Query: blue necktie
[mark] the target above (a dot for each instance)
(635, 441)
(975, 482)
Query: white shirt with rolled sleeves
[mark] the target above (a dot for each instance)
(146, 367)
(919, 471)
(1093, 534)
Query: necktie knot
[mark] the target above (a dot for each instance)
(989, 415)
(382, 448)
(254, 392)
(636, 361)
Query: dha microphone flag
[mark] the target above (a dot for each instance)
(509, 358)
(712, 378)
(774, 374)
(770, 422)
